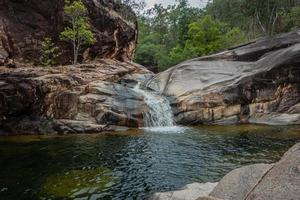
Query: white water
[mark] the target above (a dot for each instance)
(160, 113)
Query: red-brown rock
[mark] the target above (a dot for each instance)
(25, 23)
(70, 99)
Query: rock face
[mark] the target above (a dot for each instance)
(25, 23)
(71, 99)
(280, 181)
(255, 182)
(238, 183)
(255, 83)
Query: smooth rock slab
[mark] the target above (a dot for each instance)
(238, 183)
(280, 181)
(189, 192)
(283, 181)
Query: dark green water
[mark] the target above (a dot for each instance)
(133, 164)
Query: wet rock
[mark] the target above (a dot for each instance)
(278, 181)
(255, 83)
(189, 192)
(86, 98)
(282, 181)
(25, 23)
(238, 183)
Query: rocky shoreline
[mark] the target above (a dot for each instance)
(276, 181)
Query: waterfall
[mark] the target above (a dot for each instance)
(160, 113)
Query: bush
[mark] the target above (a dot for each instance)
(49, 53)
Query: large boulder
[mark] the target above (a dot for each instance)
(257, 83)
(238, 183)
(276, 182)
(71, 99)
(25, 23)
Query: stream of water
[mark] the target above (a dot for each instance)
(160, 114)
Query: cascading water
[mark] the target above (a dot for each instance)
(160, 112)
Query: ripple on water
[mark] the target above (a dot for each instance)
(136, 164)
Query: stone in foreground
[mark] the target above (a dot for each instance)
(238, 183)
(259, 182)
(190, 192)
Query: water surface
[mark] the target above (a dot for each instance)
(133, 164)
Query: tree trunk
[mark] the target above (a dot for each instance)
(74, 54)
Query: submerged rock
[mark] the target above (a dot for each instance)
(86, 98)
(76, 183)
(255, 83)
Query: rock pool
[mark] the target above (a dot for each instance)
(133, 164)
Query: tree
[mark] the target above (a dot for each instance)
(49, 52)
(137, 5)
(255, 17)
(161, 29)
(207, 36)
(79, 32)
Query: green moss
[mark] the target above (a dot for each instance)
(76, 183)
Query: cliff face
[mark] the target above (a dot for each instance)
(25, 23)
(85, 98)
(255, 83)
(68, 99)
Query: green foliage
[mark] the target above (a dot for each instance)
(207, 36)
(295, 16)
(126, 11)
(291, 20)
(255, 17)
(79, 32)
(170, 35)
(161, 30)
(49, 53)
(203, 37)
